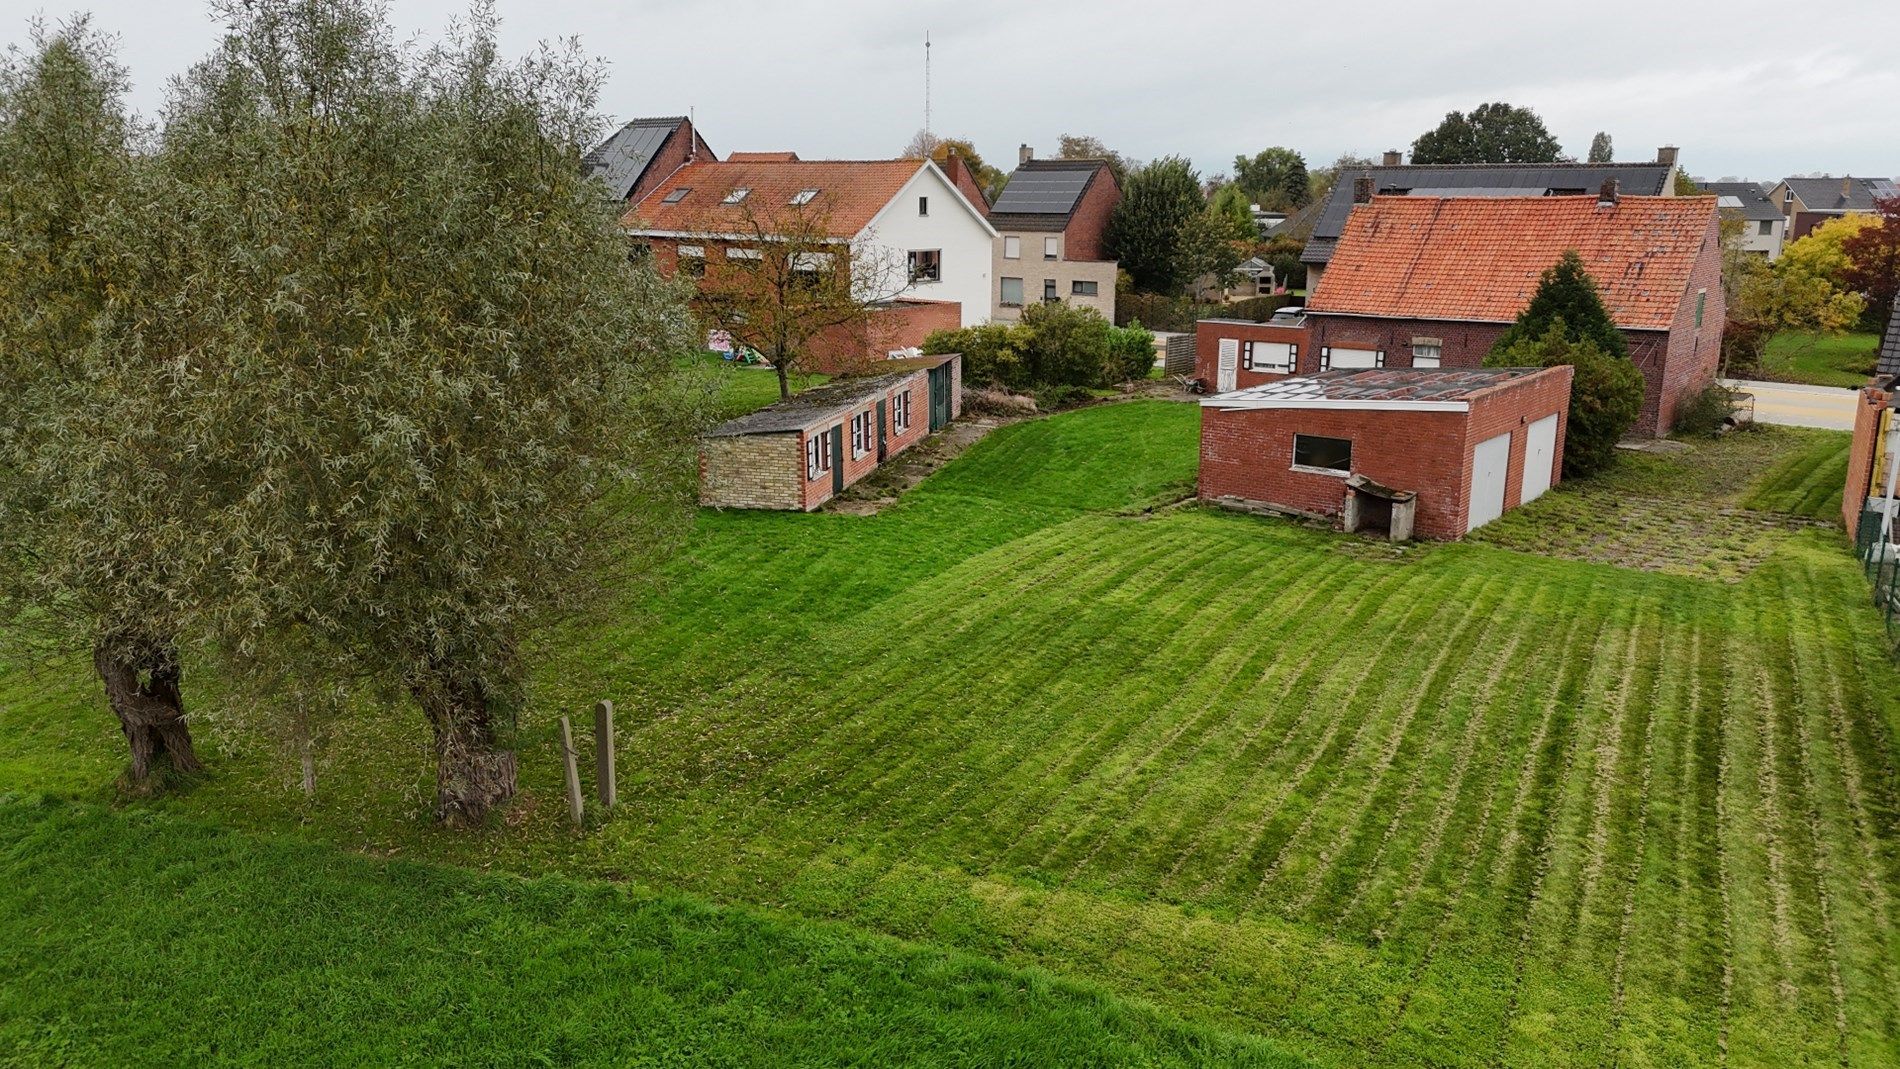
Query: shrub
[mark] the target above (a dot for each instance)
(1063, 345)
(1605, 396)
(1566, 294)
(1131, 352)
(1706, 413)
(1061, 395)
(991, 401)
(1743, 342)
(990, 356)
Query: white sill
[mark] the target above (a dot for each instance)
(1334, 472)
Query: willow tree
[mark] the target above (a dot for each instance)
(96, 528)
(441, 403)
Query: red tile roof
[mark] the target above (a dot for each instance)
(1479, 258)
(850, 193)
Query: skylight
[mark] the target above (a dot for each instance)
(677, 195)
(736, 196)
(804, 196)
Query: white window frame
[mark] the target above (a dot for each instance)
(912, 261)
(1012, 247)
(737, 195)
(803, 196)
(693, 250)
(1052, 248)
(1250, 360)
(1326, 358)
(863, 434)
(676, 195)
(744, 254)
(817, 456)
(1338, 473)
(1424, 359)
(900, 412)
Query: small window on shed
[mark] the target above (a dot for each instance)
(900, 412)
(1324, 454)
(1427, 352)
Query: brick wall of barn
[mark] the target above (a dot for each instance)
(1208, 334)
(1694, 352)
(816, 492)
(1248, 453)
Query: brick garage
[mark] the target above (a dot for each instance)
(798, 454)
(1255, 353)
(1291, 444)
(1438, 279)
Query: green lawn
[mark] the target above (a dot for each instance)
(1458, 805)
(1820, 359)
(746, 388)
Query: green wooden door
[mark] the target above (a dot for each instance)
(939, 397)
(882, 445)
(837, 459)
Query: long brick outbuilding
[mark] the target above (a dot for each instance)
(1471, 443)
(798, 454)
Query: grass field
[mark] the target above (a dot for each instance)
(1820, 359)
(1453, 805)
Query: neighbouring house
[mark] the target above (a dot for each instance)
(1434, 281)
(1763, 228)
(799, 454)
(1456, 447)
(902, 223)
(1865, 497)
(1235, 354)
(1395, 178)
(641, 154)
(1808, 202)
(1051, 223)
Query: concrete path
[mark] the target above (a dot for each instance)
(1796, 405)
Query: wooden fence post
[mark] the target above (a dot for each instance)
(573, 772)
(604, 782)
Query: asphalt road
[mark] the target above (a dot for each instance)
(1793, 405)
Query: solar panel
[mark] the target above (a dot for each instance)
(1039, 192)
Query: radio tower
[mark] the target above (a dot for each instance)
(930, 140)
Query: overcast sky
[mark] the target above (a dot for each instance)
(1751, 89)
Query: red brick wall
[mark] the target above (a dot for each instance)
(1248, 454)
(1693, 353)
(1085, 238)
(1207, 338)
(818, 491)
(1860, 459)
(955, 169)
(671, 156)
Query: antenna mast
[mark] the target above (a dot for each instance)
(930, 141)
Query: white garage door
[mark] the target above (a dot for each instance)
(1540, 456)
(1488, 464)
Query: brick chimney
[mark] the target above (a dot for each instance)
(1847, 189)
(1024, 154)
(1607, 195)
(1393, 157)
(1667, 154)
(1362, 189)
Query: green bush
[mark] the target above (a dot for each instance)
(1131, 352)
(1707, 412)
(1605, 396)
(1053, 345)
(990, 357)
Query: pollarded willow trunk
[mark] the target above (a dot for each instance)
(474, 772)
(142, 685)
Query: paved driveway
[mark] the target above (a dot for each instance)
(1795, 405)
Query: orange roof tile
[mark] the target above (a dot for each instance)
(1479, 258)
(849, 193)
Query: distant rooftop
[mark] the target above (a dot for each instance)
(1844, 194)
(1044, 192)
(625, 155)
(1889, 363)
(1744, 200)
(1383, 387)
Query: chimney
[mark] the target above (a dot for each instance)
(1847, 189)
(1606, 196)
(1666, 155)
(1393, 157)
(1024, 155)
(1362, 189)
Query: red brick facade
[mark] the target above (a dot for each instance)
(901, 324)
(1870, 406)
(1209, 333)
(1248, 453)
(1086, 236)
(681, 145)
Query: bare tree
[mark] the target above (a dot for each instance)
(791, 288)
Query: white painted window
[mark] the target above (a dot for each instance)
(1012, 248)
(693, 250)
(1427, 354)
(863, 434)
(817, 456)
(1012, 292)
(1335, 357)
(1052, 248)
(1269, 355)
(900, 412)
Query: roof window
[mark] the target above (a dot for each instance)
(736, 195)
(804, 196)
(677, 195)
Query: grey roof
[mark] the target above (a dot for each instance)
(1476, 180)
(1889, 362)
(624, 157)
(815, 405)
(1381, 384)
(1754, 203)
(1827, 194)
(1049, 188)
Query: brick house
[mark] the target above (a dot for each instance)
(1808, 202)
(1392, 177)
(1234, 354)
(1469, 443)
(901, 226)
(1434, 281)
(640, 155)
(798, 454)
(1051, 221)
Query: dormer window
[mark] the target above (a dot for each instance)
(736, 196)
(804, 196)
(677, 195)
